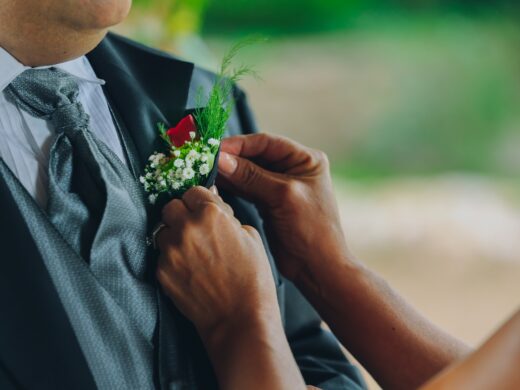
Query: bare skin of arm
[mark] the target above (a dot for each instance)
(292, 187)
(244, 336)
(217, 273)
(495, 365)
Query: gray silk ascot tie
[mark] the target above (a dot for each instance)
(94, 201)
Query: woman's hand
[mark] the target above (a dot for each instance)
(217, 273)
(292, 186)
(213, 268)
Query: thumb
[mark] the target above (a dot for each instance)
(248, 179)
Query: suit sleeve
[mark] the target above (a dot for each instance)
(317, 352)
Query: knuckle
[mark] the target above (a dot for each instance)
(211, 209)
(171, 208)
(195, 192)
(229, 210)
(291, 191)
(197, 197)
(321, 157)
(264, 137)
(317, 159)
(252, 232)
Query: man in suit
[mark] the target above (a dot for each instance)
(79, 305)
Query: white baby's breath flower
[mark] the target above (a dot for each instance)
(142, 179)
(178, 163)
(176, 153)
(193, 155)
(152, 198)
(192, 135)
(188, 173)
(204, 158)
(213, 142)
(176, 185)
(204, 169)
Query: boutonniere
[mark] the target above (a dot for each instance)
(190, 156)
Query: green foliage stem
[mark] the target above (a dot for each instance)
(212, 120)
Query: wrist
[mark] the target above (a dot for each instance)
(250, 323)
(323, 279)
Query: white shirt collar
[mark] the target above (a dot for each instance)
(10, 68)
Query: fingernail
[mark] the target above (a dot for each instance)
(227, 164)
(214, 190)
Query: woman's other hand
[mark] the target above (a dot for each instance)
(292, 186)
(213, 268)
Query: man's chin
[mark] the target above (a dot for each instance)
(101, 14)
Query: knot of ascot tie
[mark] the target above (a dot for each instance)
(51, 94)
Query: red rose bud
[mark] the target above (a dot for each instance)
(180, 134)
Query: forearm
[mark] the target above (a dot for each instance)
(253, 354)
(492, 366)
(398, 346)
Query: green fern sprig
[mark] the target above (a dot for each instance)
(163, 132)
(212, 120)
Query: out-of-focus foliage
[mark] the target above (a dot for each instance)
(177, 16)
(282, 16)
(449, 95)
(454, 105)
(289, 16)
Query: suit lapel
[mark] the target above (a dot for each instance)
(162, 98)
(37, 344)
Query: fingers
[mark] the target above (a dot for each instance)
(198, 197)
(178, 211)
(249, 179)
(173, 211)
(260, 166)
(273, 150)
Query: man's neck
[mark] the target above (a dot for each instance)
(49, 52)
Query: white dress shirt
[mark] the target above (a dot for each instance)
(25, 141)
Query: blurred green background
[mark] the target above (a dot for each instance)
(417, 104)
(441, 78)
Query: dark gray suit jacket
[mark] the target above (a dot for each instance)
(38, 349)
